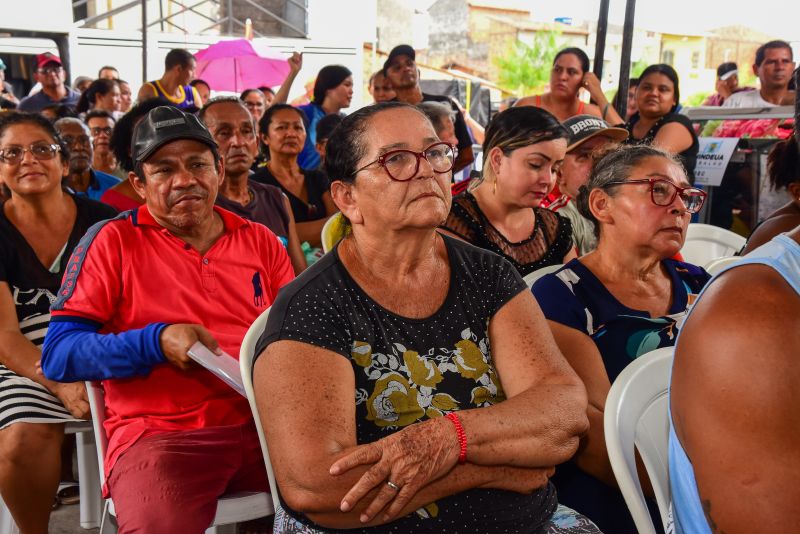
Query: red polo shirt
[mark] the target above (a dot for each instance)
(135, 272)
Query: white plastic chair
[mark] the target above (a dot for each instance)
(705, 242)
(636, 414)
(531, 278)
(715, 266)
(246, 356)
(87, 478)
(231, 509)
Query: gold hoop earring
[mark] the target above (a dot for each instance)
(494, 185)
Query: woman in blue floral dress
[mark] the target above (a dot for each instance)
(620, 301)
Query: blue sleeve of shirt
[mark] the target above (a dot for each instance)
(74, 351)
(558, 303)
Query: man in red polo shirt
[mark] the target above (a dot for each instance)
(139, 290)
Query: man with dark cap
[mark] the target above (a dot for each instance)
(142, 289)
(587, 135)
(50, 74)
(727, 84)
(401, 70)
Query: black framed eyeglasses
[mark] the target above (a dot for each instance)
(40, 151)
(402, 165)
(80, 140)
(96, 131)
(663, 193)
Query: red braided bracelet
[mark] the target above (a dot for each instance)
(462, 436)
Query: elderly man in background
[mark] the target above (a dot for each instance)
(50, 74)
(142, 289)
(101, 127)
(234, 130)
(83, 179)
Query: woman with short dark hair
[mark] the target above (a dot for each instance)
(398, 372)
(619, 301)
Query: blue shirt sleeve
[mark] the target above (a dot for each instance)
(74, 351)
(559, 304)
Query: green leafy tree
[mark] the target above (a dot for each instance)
(638, 67)
(525, 69)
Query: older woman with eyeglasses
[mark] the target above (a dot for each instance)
(40, 224)
(624, 299)
(398, 372)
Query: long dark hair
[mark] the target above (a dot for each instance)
(578, 53)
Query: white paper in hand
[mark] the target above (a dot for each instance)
(226, 367)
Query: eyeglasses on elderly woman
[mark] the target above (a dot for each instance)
(41, 151)
(402, 165)
(663, 193)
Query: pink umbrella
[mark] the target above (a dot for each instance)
(236, 66)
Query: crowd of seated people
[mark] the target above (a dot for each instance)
(409, 380)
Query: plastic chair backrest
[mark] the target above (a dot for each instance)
(246, 356)
(715, 266)
(636, 413)
(333, 231)
(97, 405)
(530, 278)
(705, 242)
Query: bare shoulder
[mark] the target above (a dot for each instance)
(746, 324)
(591, 109)
(526, 101)
(770, 228)
(734, 399)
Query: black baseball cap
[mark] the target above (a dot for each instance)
(581, 128)
(163, 125)
(399, 50)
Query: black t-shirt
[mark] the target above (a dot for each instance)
(549, 242)
(33, 287)
(316, 185)
(267, 207)
(688, 157)
(410, 370)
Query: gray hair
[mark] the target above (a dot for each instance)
(71, 120)
(437, 112)
(222, 100)
(617, 165)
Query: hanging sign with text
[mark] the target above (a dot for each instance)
(713, 158)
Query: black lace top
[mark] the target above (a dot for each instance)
(549, 242)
